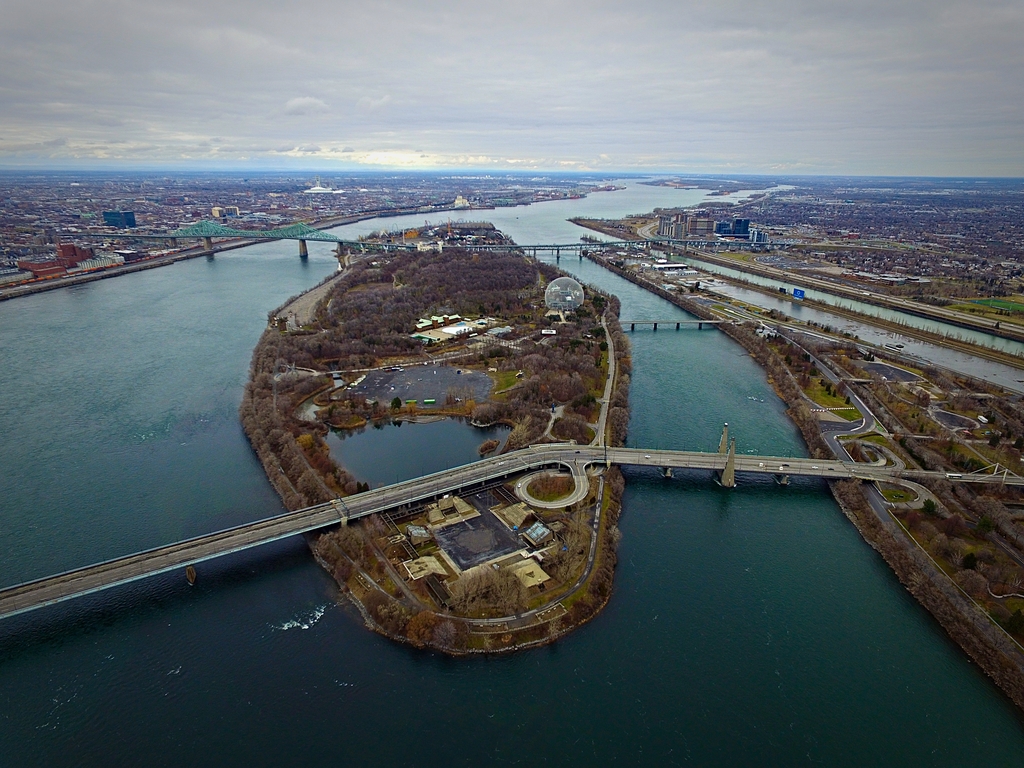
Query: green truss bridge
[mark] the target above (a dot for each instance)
(208, 230)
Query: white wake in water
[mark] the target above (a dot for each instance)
(303, 622)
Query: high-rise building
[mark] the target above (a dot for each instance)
(700, 226)
(740, 227)
(119, 219)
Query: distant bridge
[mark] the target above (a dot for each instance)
(83, 581)
(208, 230)
(677, 323)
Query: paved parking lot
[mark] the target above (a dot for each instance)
(424, 382)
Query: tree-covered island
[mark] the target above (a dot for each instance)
(515, 564)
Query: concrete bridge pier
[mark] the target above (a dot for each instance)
(208, 243)
(782, 479)
(728, 479)
(666, 472)
(303, 251)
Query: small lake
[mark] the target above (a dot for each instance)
(389, 453)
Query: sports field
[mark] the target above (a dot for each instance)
(1006, 305)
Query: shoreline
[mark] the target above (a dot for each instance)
(996, 654)
(18, 290)
(967, 347)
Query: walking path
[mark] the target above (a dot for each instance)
(602, 420)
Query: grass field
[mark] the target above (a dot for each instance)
(1004, 304)
(503, 379)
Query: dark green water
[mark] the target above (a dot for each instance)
(748, 627)
(401, 451)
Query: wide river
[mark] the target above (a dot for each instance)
(750, 626)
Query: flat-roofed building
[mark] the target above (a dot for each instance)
(424, 566)
(538, 534)
(514, 516)
(530, 574)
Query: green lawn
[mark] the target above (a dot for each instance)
(1004, 304)
(818, 394)
(898, 496)
(502, 379)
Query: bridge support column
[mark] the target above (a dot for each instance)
(208, 243)
(729, 473)
(303, 251)
(666, 472)
(723, 444)
(632, 326)
(677, 326)
(700, 326)
(655, 326)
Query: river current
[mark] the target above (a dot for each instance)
(748, 626)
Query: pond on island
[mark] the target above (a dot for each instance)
(389, 453)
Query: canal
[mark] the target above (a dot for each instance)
(748, 626)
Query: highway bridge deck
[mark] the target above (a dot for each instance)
(36, 594)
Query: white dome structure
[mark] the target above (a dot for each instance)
(564, 294)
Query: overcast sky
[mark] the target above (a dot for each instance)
(916, 87)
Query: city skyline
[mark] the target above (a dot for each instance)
(785, 88)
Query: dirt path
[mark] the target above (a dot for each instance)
(302, 307)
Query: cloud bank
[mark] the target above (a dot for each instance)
(929, 87)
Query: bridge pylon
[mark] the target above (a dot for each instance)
(729, 473)
(303, 250)
(723, 444)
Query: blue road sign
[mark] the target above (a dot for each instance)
(798, 293)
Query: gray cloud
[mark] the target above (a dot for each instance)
(304, 105)
(865, 86)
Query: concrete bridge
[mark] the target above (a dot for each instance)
(725, 464)
(699, 324)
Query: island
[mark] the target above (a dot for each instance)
(489, 338)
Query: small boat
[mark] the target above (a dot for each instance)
(190, 574)
(893, 347)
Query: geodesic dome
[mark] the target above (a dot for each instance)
(564, 294)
